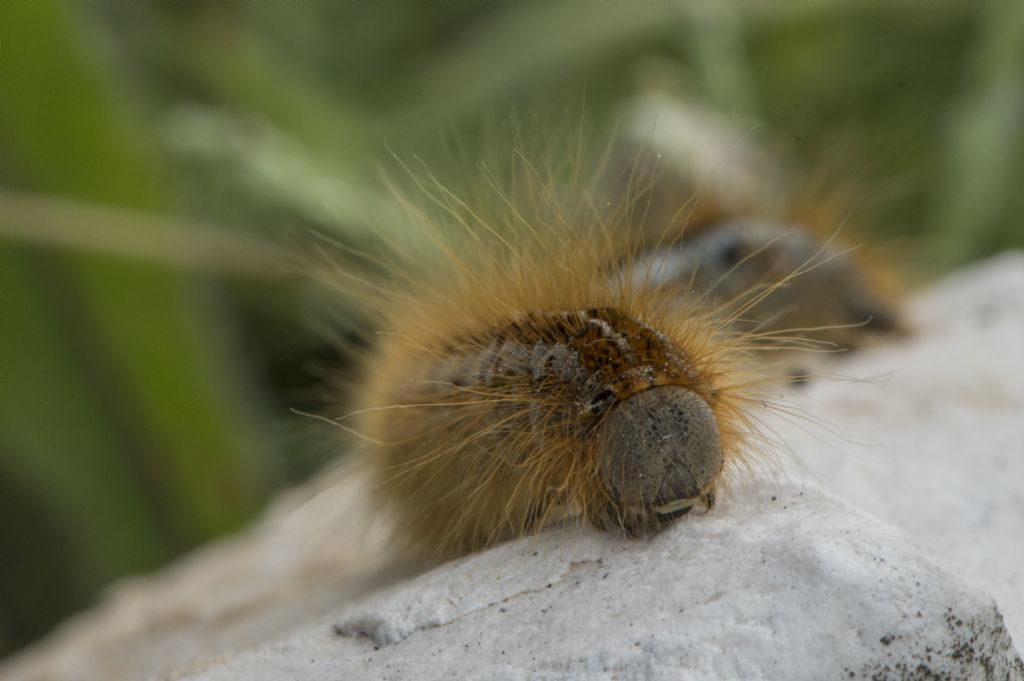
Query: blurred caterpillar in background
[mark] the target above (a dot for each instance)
(569, 366)
(820, 292)
(719, 217)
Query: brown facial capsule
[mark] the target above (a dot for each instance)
(659, 452)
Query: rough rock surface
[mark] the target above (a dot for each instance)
(933, 448)
(781, 583)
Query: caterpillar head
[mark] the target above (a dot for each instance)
(659, 454)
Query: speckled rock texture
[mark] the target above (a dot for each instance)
(875, 556)
(779, 583)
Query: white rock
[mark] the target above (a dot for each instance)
(781, 583)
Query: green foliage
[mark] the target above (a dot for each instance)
(144, 390)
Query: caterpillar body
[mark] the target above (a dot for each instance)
(591, 410)
(535, 385)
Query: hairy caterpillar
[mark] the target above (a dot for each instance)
(560, 367)
(545, 400)
(533, 381)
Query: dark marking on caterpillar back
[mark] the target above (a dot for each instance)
(592, 359)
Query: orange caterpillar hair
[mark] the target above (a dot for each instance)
(527, 381)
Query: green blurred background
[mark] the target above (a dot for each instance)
(149, 360)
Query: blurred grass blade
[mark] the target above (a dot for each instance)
(75, 225)
(123, 413)
(984, 150)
